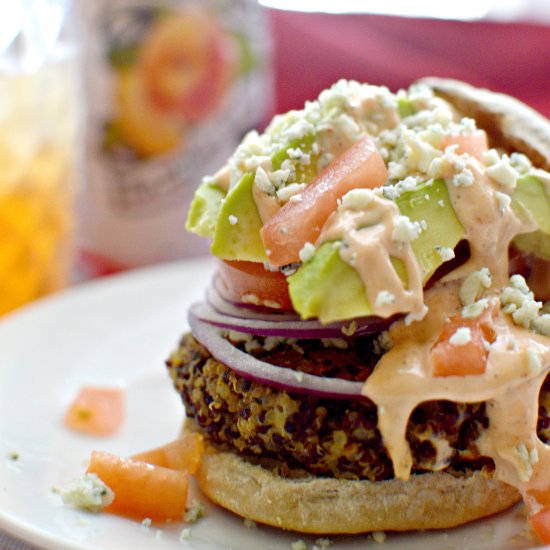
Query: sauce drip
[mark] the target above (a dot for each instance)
(510, 387)
(518, 360)
(489, 228)
(367, 241)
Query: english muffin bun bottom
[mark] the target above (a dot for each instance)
(439, 500)
(320, 505)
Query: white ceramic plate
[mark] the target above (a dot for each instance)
(119, 331)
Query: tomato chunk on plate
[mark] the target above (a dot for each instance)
(141, 490)
(97, 411)
(182, 454)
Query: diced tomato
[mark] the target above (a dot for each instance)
(141, 490)
(539, 500)
(96, 411)
(241, 279)
(299, 222)
(538, 497)
(467, 359)
(182, 454)
(454, 360)
(541, 524)
(474, 144)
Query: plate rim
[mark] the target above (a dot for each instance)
(22, 530)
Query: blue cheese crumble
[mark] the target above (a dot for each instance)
(194, 512)
(471, 311)
(384, 298)
(503, 172)
(461, 337)
(445, 253)
(474, 285)
(519, 301)
(307, 251)
(405, 230)
(88, 493)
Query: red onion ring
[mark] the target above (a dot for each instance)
(305, 330)
(219, 303)
(288, 324)
(259, 371)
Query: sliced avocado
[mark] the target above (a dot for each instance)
(405, 107)
(530, 201)
(304, 172)
(430, 202)
(328, 288)
(237, 233)
(211, 211)
(205, 209)
(536, 243)
(304, 143)
(401, 270)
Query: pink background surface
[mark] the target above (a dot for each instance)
(313, 50)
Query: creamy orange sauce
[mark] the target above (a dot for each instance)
(489, 230)
(510, 386)
(518, 360)
(367, 237)
(222, 178)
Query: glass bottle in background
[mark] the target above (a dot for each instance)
(38, 148)
(171, 88)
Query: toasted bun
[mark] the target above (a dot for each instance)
(340, 506)
(510, 123)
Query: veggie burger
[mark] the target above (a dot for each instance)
(373, 351)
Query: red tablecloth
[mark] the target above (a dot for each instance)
(313, 50)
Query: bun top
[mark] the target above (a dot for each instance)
(511, 124)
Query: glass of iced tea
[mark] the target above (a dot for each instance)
(38, 147)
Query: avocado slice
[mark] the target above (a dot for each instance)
(430, 202)
(212, 213)
(330, 289)
(205, 209)
(304, 172)
(530, 201)
(405, 107)
(237, 233)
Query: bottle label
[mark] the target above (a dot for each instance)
(171, 88)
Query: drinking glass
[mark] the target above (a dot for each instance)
(39, 146)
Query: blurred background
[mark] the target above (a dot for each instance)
(500, 44)
(112, 111)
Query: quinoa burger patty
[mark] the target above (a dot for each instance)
(329, 437)
(279, 439)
